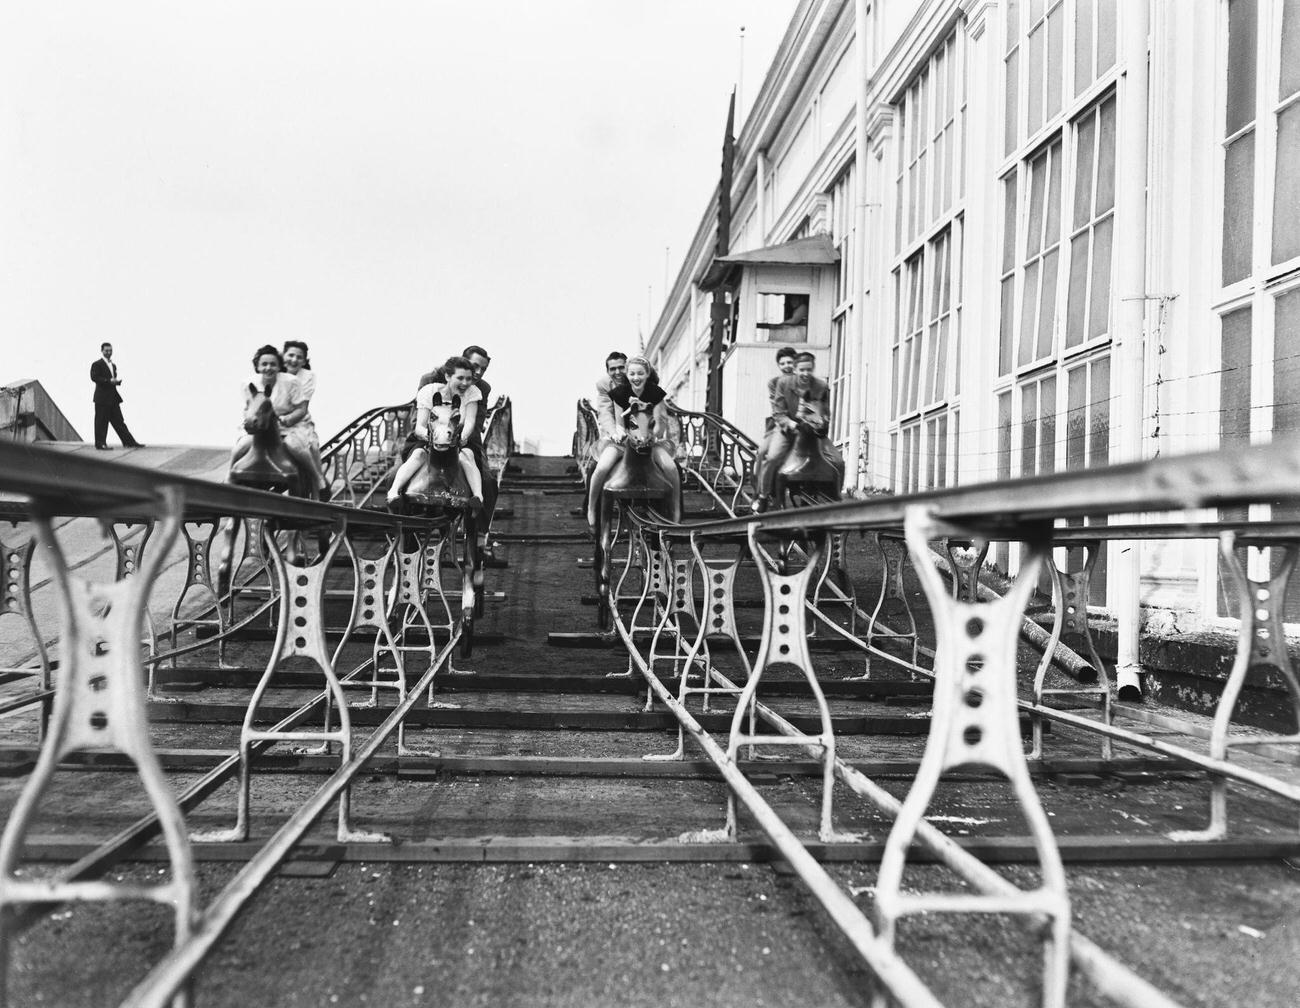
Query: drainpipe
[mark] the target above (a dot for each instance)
(1130, 319)
(858, 346)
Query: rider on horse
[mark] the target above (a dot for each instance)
(479, 360)
(639, 391)
(785, 362)
(793, 397)
(608, 426)
(285, 394)
(459, 390)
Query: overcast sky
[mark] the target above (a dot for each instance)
(388, 181)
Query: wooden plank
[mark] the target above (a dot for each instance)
(621, 721)
(1080, 849)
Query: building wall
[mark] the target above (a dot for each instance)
(1049, 269)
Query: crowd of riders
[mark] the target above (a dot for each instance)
(631, 385)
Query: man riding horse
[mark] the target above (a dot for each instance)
(459, 392)
(479, 361)
(801, 408)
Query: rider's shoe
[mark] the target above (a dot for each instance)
(761, 504)
(476, 505)
(396, 503)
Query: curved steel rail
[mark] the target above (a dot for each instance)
(59, 484)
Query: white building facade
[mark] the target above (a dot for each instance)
(1069, 234)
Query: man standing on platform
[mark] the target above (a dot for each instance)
(108, 401)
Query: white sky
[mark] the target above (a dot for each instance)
(388, 181)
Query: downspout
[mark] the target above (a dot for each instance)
(858, 247)
(1130, 320)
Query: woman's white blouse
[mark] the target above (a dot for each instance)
(286, 394)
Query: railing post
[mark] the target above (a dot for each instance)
(785, 641)
(1261, 643)
(1070, 593)
(100, 705)
(198, 579)
(300, 633)
(975, 722)
(16, 599)
(893, 552)
(717, 618)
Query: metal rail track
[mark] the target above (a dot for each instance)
(60, 484)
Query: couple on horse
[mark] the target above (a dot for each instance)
(630, 408)
(451, 411)
(279, 448)
(796, 450)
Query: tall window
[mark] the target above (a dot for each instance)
(1058, 190)
(1259, 248)
(927, 282)
(1058, 221)
(843, 221)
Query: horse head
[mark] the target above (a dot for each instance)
(811, 419)
(640, 427)
(812, 463)
(440, 483)
(444, 424)
(267, 465)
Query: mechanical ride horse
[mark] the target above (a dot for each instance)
(266, 464)
(635, 478)
(439, 490)
(813, 469)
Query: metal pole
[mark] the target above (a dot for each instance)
(858, 247)
(1130, 319)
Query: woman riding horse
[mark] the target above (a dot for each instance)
(273, 404)
(642, 392)
(459, 392)
(640, 465)
(301, 437)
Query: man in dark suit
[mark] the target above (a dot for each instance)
(108, 401)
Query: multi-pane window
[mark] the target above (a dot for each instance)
(929, 311)
(1239, 141)
(927, 273)
(1092, 222)
(840, 377)
(1057, 242)
(932, 112)
(843, 222)
(1261, 140)
(1040, 69)
(1041, 246)
(1259, 249)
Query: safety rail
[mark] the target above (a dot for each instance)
(976, 702)
(499, 435)
(358, 458)
(720, 456)
(99, 696)
(585, 435)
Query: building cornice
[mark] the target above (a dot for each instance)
(977, 13)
